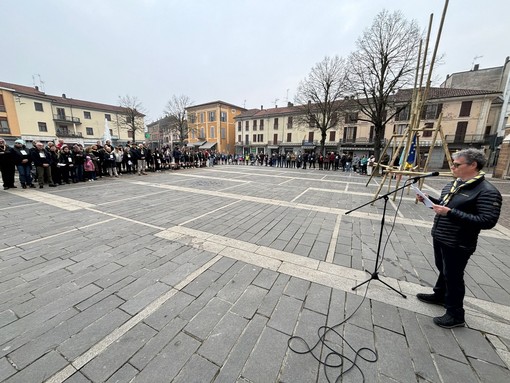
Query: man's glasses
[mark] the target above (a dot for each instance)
(457, 164)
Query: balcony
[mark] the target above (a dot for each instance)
(64, 118)
(273, 142)
(67, 133)
(361, 141)
(243, 143)
(466, 139)
(310, 143)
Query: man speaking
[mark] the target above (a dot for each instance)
(467, 205)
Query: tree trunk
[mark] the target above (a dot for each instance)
(323, 141)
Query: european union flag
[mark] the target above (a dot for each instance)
(412, 154)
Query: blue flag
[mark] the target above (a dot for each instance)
(412, 154)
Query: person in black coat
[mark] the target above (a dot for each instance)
(7, 165)
(466, 206)
(42, 161)
(23, 164)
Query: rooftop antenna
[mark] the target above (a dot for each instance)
(40, 85)
(474, 60)
(287, 99)
(244, 104)
(275, 101)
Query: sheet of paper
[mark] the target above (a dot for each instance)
(426, 200)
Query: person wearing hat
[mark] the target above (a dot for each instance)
(23, 163)
(7, 165)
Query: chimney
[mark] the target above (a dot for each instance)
(261, 107)
(289, 104)
(476, 67)
(346, 97)
(37, 88)
(63, 95)
(309, 103)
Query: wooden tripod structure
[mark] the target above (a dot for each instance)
(402, 143)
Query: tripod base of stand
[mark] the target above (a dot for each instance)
(375, 275)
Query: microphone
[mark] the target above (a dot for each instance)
(433, 174)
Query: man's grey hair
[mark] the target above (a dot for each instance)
(472, 155)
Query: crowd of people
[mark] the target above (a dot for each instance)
(58, 163)
(61, 163)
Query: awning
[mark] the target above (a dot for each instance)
(208, 145)
(196, 144)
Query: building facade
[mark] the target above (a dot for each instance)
(33, 115)
(469, 119)
(212, 126)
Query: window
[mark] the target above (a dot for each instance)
(289, 122)
(311, 122)
(261, 125)
(212, 116)
(403, 115)
(428, 129)
(192, 118)
(254, 124)
(260, 138)
(310, 136)
(2, 104)
(61, 113)
(334, 119)
(130, 134)
(460, 132)
(111, 132)
(223, 116)
(350, 134)
(351, 117)
(202, 133)
(86, 115)
(247, 125)
(276, 123)
(90, 131)
(239, 138)
(465, 108)
(275, 139)
(254, 138)
(212, 131)
(289, 137)
(399, 128)
(38, 107)
(332, 135)
(108, 117)
(4, 126)
(202, 116)
(247, 139)
(223, 133)
(42, 126)
(431, 112)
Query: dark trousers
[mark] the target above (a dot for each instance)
(25, 173)
(43, 173)
(8, 171)
(451, 263)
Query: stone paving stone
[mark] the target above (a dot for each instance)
(386, 316)
(197, 370)
(170, 360)
(271, 299)
(7, 317)
(231, 368)
(82, 341)
(297, 288)
(246, 306)
(77, 377)
(222, 338)
(169, 310)
(222, 265)
(105, 364)
(6, 369)
(299, 367)
(454, 371)
(201, 283)
(265, 279)
(40, 370)
(123, 374)
(497, 294)
(441, 340)
(201, 325)
(157, 343)
(235, 287)
(318, 298)
(40, 345)
(144, 297)
(488, 372)
(362, 316)
(418, 347)
(269, 353)
(475, 345)
(285, 314)
(394, 359)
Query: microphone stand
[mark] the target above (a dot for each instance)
(375, 273)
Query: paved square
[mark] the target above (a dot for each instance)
(203, 275)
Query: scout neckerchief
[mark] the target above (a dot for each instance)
(459, 184)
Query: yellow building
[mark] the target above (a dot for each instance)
(9, 124)
(36, 116)
(212, 126)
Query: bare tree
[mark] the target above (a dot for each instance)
(132, 117)
(176, 110)
(384, 62)
(319, 95)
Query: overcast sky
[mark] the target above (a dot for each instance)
(245, 52)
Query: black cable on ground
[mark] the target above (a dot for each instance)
(335, 359)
